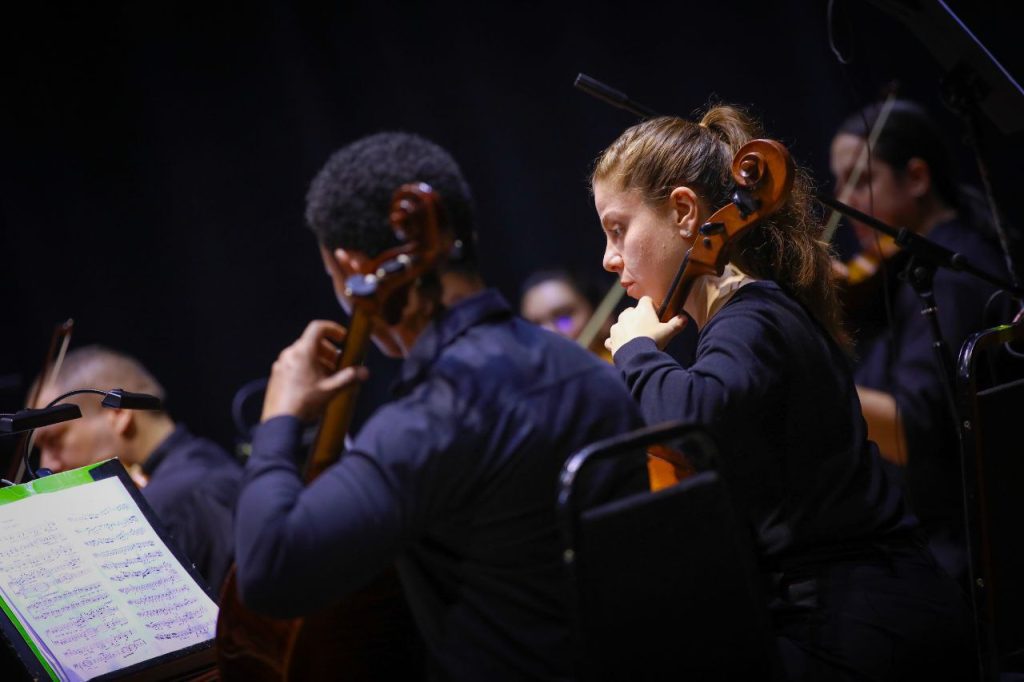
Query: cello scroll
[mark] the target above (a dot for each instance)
(763, 173)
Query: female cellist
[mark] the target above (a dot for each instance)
(851, 591)
(910, 183)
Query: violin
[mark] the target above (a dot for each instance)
(369, 635)
(860, 278)
(865, 264)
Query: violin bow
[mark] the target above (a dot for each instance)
(58, 348)
(603, 311)
(619, 100)
(861, 165)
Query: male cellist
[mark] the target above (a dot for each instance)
(455, 480)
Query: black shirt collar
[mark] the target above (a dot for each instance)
(454, 322)
(177, 437)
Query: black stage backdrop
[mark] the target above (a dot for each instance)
(156, 154)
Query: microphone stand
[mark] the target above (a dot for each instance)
(919, 246)
(926, 257)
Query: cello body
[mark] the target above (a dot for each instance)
(369, 635)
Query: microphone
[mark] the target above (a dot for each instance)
(30, 419)
(56, 412)
(616, 98)
(126, 400)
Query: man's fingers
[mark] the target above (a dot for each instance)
(338, 380)
(328, 355)
(320, 329)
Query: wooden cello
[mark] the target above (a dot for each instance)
(763, 174)
(369, 635)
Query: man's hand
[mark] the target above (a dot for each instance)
(642, 320)
(305, 376)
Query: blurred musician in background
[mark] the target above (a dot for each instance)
(852, 591)
(910, 182)
(559, 302)
(454, 480)
(190, 482)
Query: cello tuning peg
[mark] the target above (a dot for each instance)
(750, 170)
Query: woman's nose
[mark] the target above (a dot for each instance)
(612, 261)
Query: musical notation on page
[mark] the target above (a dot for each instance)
(92, 583)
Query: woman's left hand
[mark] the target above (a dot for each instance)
(642, 320)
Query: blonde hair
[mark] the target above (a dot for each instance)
(660, 154)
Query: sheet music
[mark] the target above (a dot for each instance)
(94, 585)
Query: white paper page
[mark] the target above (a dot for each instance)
(94, 583)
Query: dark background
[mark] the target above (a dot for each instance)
(156, 155)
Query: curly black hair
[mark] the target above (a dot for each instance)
(348, 201)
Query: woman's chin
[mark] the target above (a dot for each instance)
(636, 292)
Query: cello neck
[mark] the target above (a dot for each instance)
(330, 439)
(414, 217)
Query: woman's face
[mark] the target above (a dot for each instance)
(556, 306)
(882, 193)
(644, 246)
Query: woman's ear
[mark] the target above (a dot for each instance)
(685, 208)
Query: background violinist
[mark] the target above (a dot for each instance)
(911, 182)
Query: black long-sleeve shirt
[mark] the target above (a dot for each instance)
(457, 480)
(778, 395)
(193, 485)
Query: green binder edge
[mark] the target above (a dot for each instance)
(40, 486)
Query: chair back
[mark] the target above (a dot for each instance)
(990, 378)
(665, 583)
